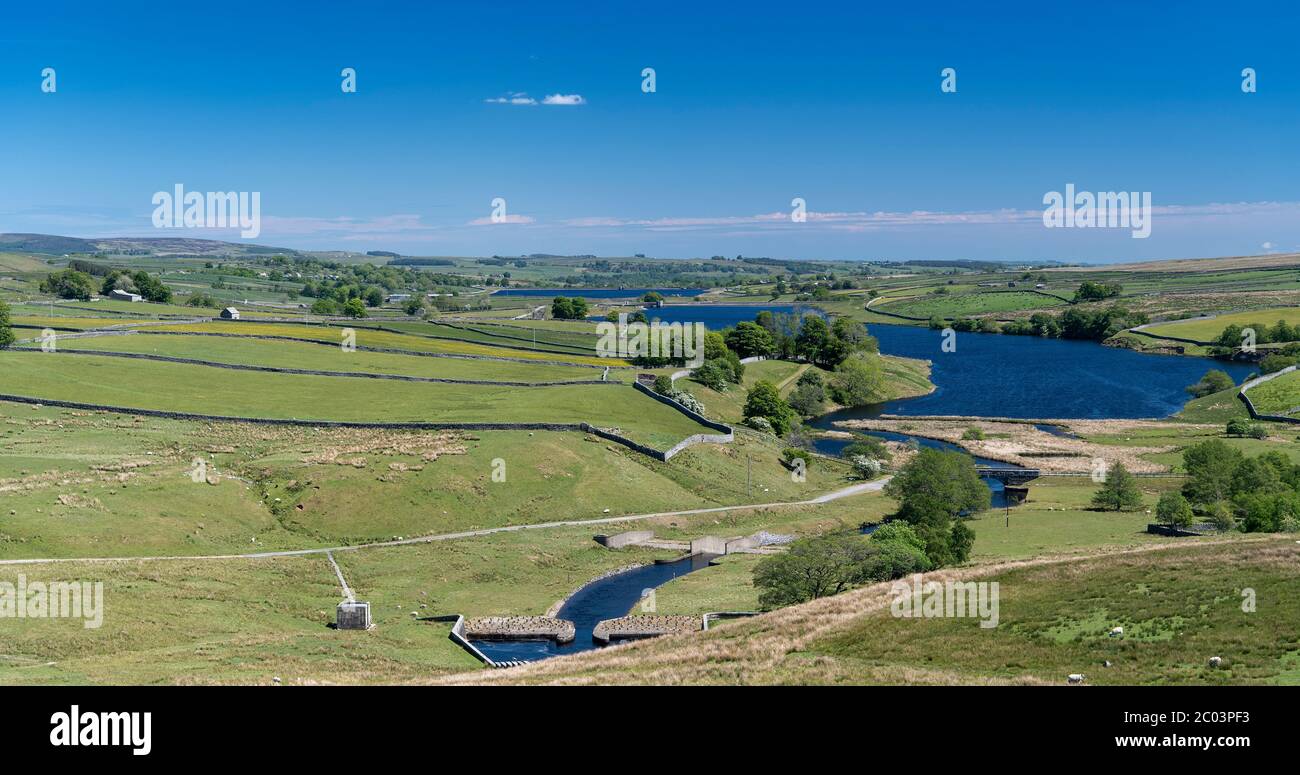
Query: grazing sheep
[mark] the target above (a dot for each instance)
(1216, 661)
(1075, 678)
(1107, 663)
(1115, 632)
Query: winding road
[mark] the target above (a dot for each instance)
(856, 489)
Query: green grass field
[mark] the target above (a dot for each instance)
(1177, 609)
(382, 339)
(1208, 329)
(903, 377)
(955, 305)
(1280, 395)
(301, 355)
(1178, 606)
(248, 621)
(214, 391)
(514, 337)
(79, 484)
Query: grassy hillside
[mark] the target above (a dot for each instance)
(366, 337)
(300, 355)
(903, 377)
(1178, 605)
(969, 304)
(1208, 329)
(206, 390)
(78, 483)
(1280, 395)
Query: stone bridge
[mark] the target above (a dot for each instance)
(1008, 474)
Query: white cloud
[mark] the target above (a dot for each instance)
(564, 99)
(513, 98)
(522, 98)
(490, 221)
(862, 221)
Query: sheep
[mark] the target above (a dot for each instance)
(1216, 661)
(1075, 678)
(1115, 632)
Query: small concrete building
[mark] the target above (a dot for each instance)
(230, 313)
(118, 294)
(352, 615)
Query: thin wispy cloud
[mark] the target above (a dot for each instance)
(522, 98)
(514, 98)
(881, 219)
(503, 219)
(564, 99)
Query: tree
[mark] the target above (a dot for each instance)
(325, 307)
(1214, 381)
(960, 540)
(1119, 492)
(898, 531)
(868, 446)
(354, 308)
(1210, 466)
(652, 297)
(6, 327)
(813, 568)
(1221, 516)
(561, 308)
(1174, 510)
(712, 376)
(373, 296)
(939, 482)
(763, 400)
(714, 346)
(934, 489)
(854, 334)
(858, 380)
(749, 339)
(151, 288)
(809, 395)
(414, 306)
(113, 281)
(663, 384)
(892, 560)
(69, 284)
(813, 336)
(1091, 291)
(1238, 427)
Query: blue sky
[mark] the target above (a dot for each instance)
(755, 105)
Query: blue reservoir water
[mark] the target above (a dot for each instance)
(719, 316)
(987, 375)
(608, 598)
(993, 375)
(598, 293)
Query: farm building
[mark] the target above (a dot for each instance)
(230, 313)
(118, 294)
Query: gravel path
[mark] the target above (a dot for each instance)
(855, 489)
